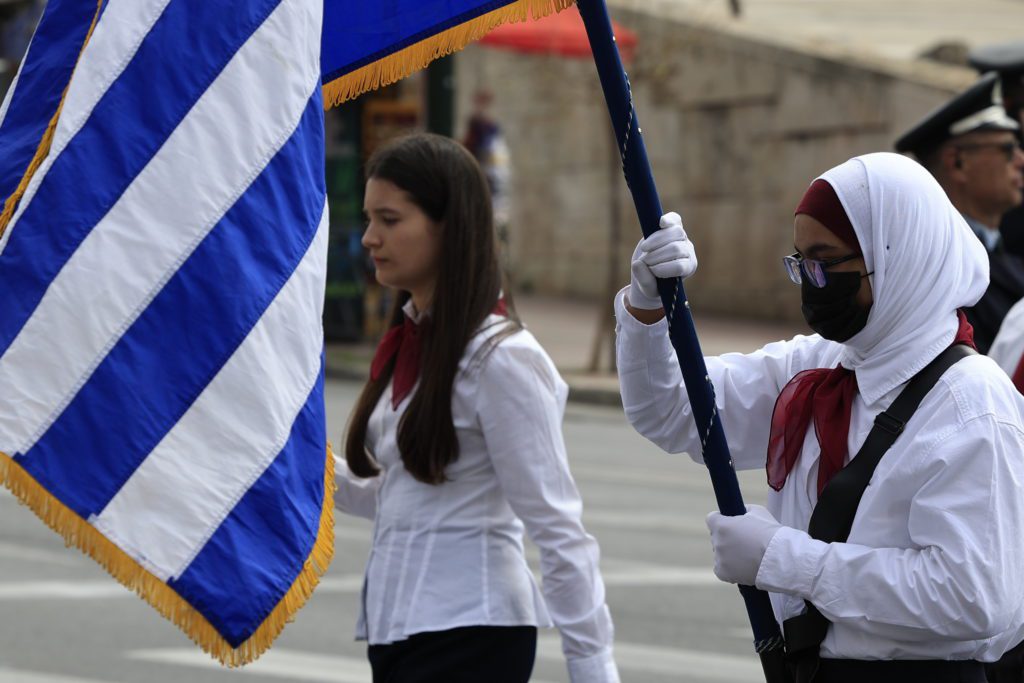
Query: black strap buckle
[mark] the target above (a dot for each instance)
(889, 423)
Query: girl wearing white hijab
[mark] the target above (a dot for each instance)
(933, 568)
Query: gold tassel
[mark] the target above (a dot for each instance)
(44, 143)
(79, 533)
(397, 66)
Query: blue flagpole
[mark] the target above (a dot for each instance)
(767, 637)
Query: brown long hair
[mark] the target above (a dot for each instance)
(446, 183)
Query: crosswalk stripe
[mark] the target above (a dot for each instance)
(21, 676)
(341, 584)
(22, 553)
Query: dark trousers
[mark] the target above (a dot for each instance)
(1009, 669)
(472, 654)
(902, 671)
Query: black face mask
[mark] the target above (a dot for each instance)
(832, 311)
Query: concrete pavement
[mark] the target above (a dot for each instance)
(568, 328)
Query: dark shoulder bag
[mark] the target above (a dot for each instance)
(833, 515)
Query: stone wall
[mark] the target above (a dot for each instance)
(736, 126)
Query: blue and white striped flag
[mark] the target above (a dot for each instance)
(162, 261)
(162, 266)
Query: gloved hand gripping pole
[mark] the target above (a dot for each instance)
(768, 642)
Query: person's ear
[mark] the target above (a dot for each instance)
(951, 159)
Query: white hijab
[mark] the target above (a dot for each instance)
(926, 263)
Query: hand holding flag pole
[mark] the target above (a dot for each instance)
(768, 640)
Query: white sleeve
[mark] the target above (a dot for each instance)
(520, 405)
(962, 578)
(355, 495)
(746, 388)
(1008, 346)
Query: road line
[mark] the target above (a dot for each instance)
(62, 590)
(617, 519)
(22, 676)
(23, 553)
(668, 576)
(108, 588)
(617, 573)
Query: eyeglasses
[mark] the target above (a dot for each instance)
(1008, 148)
(798, 267)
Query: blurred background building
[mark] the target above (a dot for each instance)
(742, 103)
(739, 113)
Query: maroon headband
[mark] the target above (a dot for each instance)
(821, 203)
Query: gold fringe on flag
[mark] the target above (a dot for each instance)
(79, 533)
(44, 143)
(397, 66)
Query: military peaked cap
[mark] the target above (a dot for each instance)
(980, 107)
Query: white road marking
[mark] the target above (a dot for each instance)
(62, 590)
(22, 676)
(23, 553)
(108, 588)
(617, 573)
(617, 519)
(663, 576)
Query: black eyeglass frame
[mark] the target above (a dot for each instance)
(1009, 148)
(798, 267)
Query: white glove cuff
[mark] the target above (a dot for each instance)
(636, 298)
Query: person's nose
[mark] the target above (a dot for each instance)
(1018, 158)
(370, 239)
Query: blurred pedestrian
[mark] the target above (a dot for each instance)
(970, 145)
(486, 141)
(921, 576)
(455, 445)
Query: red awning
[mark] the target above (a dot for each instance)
(562, 33)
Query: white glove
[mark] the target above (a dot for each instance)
(665, 254)
(740, 543)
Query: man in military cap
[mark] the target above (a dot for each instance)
(1007, 60)
(970, 145)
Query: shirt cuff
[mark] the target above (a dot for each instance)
(791, 563)
(598, 668)
(652, 340)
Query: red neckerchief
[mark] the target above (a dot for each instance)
(406, 341)
(1018, 376)
(827, 396)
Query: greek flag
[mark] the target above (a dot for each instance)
(162, 270)
(162, 263)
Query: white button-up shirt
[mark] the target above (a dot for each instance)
(451, 555)
(934, 565)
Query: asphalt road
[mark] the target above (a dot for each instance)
(63, 620)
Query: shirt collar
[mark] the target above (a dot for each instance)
(409, 308)
(989, 236)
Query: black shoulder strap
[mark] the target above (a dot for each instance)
(833, 515)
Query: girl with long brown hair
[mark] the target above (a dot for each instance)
(455, 447)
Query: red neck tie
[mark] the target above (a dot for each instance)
(827, 397)
(406, 342)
